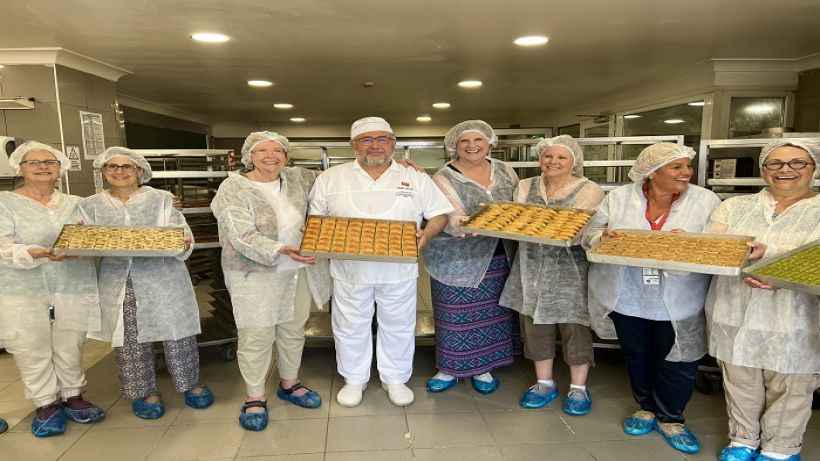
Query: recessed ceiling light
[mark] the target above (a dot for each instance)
(531, 40)
(674, 121)
(259, 83)
(297, 119)
(210, 37)
(424, 118)
(283, 105)
(441, 105)
(696, 103)
(2, 66)
(632, 116)
(470, 83)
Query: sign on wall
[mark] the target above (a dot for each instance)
(73, 154)
(93, 139)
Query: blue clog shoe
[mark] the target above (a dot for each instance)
(435, 384)
(254, 421)
(679, 437)
(639, 423)
(763, 457)
(49, 420)
(82, 411)
(4, 426)
(146, 410)
(485, 387)
(311, 399)
(538, 395)
(577, 402)
(199, 401)
(737, 454)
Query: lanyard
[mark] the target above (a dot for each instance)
(657, 225)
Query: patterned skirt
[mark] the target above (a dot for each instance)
(473, 333)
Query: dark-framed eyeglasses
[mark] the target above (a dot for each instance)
(369, 140)
(112, 167)
(37, 163)
(794, 164)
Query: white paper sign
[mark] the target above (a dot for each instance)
(93, 139)
(73, 154)
(98, 181)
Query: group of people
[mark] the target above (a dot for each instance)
(489, 294)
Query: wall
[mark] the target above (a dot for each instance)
(807, 102)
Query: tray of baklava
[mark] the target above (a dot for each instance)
(360, 239)
(85, 240)
(798, 269)
(717, 254)
(526, 222)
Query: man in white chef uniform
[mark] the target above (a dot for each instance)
(375, 186)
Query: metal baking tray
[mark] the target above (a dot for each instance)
(784, 283)
(117, 252)
(670, 265)
(528, 238)
(362, 257)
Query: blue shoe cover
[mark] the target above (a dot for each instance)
(199, 401)
(636, 425)
(48, 421)
(763, 457)
(4, 426)
(82, 411)
(536, 398)
(737, 454)
(254, 421)
(486, 387)
(440, 385)
(577, 402)
(681, 439)
(147, 410)
(311, 399)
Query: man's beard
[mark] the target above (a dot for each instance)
(366, 161)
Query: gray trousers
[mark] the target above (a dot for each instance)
(136, 363)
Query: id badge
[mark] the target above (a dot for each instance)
(651, 276)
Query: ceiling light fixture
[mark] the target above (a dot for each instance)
(259, 83)
(673, 121)
(441, 105)
(424, 118)
(531, 40)
(632, 116)
(210, 37)
(283, 105)
(696, 103)
(297, 119)
(470, 83)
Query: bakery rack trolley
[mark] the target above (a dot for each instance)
(194, 175)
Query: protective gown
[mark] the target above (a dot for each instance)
(683, 292)
(772, 330)
(30, 286)
(260, 279)
(549, 283)
(463, 261)
(166, 304)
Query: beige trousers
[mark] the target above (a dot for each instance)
(255, 348)
(51, 367)
(767, 409)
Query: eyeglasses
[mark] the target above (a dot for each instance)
(794, 164)
(271, 151)
(37, 163)
(367, 140)
(112, 167)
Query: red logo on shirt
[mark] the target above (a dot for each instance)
(405, 183)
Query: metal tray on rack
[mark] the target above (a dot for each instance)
(594, 257)
(528, 238)
(359, 256)
(781, 282)
(123, 252)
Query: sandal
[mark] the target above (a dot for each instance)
(254, 421)
(310, 399)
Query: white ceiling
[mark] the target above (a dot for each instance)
(318, 53)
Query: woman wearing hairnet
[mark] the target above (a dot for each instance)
(48, 302)
(548, 284)
(767, 340)
(145, 299)
(474, 334)
(657, 315)
(261, 211)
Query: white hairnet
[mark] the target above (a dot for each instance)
(567, 142)
(33, 146)
(812, 149)
(455, 133)
(118, 151)
(258, 137)
(656, 156)
(367, 124)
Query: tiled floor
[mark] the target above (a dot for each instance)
(457, 425)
